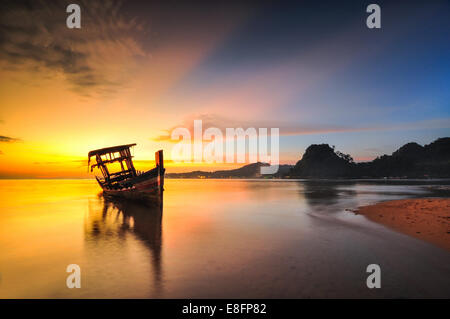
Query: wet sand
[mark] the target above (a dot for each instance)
(426, 218)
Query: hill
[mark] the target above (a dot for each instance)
(323, 161)
(409, 161)
(247, 171)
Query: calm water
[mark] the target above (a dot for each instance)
(214, 238)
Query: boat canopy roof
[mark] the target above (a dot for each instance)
(110, 151)
(107, 150)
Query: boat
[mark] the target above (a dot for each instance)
(120, 179)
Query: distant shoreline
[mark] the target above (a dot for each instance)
(444, 179)
(321, 179)
(424, 218)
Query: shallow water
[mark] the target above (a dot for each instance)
(214, 238)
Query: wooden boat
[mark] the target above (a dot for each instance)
(126, 182)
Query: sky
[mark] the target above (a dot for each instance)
(135, 70)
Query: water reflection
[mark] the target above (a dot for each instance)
(319, 193)
(117, 219)
(222, 239)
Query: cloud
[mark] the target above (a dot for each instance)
(220, 122)
(98, 58)
(7, 139)
(292, 128)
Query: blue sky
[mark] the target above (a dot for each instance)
(389, 85)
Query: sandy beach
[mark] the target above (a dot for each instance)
(427, 218)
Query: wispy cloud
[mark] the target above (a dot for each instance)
(98, 58)
(8, 139)
(292, 128)
(221, 122)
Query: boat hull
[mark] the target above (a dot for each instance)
(147, 187)
(151, 196)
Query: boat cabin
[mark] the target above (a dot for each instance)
(118, 157)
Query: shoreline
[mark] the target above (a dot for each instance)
(427, 219)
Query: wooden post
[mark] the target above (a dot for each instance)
(159, 159)
(130, 161)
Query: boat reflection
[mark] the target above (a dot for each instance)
(113, 220)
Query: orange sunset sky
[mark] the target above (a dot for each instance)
(134, 71)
